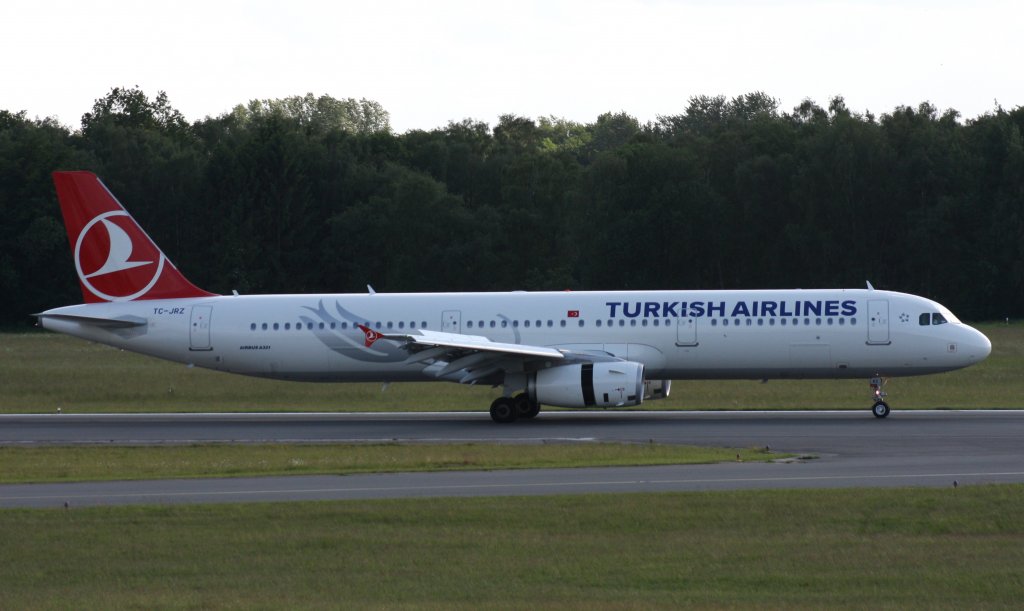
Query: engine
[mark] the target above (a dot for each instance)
(602, 384)
(656, 389)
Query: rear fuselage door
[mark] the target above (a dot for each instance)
(199, 328)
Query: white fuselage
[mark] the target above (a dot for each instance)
(842, 333)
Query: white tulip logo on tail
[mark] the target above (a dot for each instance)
(119, 249)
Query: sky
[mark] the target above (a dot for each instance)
(436, 61)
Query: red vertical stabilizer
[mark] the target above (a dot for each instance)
(114, 258)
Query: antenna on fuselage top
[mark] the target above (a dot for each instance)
(370, 288)
(870, 288)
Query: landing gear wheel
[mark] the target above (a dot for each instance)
(880, 409)
(503, 410)
(525, 408)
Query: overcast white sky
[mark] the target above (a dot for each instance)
(434, 61)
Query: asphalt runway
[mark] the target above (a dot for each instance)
(851, 449)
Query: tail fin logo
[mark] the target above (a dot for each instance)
(104, 254)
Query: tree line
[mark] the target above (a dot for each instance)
(316, 194)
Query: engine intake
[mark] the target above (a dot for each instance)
(602, 384)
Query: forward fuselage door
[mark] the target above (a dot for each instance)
(451, 321)
(199, 328)
(878, 321)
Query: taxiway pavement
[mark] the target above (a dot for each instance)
(912, 448)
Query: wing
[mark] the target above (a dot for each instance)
(470, 359)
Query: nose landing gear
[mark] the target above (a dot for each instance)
(880, 408)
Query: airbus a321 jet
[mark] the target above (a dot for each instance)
(567, 349)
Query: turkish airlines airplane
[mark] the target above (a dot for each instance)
(568, 349)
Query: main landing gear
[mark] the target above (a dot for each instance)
(880, 409)
(508, 409)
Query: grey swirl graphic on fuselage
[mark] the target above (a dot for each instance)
(350, 342)
(515, 329)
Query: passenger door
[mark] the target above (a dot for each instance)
(878, 321)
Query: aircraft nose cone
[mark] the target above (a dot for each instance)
(980, 346)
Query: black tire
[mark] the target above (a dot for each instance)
(526, 408)
(503, 410)
(880, 409)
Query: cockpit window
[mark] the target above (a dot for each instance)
(933, 318)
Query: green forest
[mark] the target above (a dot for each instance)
(317, 194)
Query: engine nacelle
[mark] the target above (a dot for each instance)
(656, 389)
(603, 384)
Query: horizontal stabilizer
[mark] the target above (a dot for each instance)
(106, 323)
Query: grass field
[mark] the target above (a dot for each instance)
(865, 549)
(41, 372)
(78, 463)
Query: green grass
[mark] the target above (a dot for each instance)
(41, 372)
(77, 463)
(862, 549)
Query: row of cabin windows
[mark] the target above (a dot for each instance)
(725, 322)
(807, 322)
(299, 326)
(480, 324)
